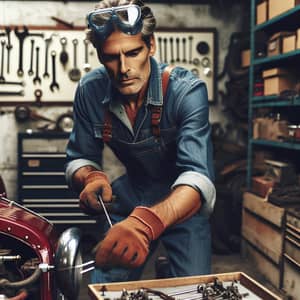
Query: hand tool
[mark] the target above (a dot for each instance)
(12, 93)
(37, 77)
(2, 79)
(22, 83)
(30, 71)
(160, 49)
(177, 48)
(190, 50)
(54, 83)
(172, 50)
(63, 22)
(74, 73)
(64, 57)
(21, 35)
(86, 66)
(184, 60)
(47, 43)
(165, 40)
(8, 47)
(105, 210)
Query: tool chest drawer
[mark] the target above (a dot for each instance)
(42, 185)
(42, 162)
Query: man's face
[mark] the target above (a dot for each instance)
(127, 60)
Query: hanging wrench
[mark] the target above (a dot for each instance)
(2, 79)
(30, 71)
(8, 46)
(53, 84)
(47, 41)
(22, 83)
(37, 77)
(12, 93)
(21, 35)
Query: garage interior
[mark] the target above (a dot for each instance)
(247, 53)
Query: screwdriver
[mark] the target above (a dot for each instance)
(105, 211)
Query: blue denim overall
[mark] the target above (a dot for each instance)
(182, 154)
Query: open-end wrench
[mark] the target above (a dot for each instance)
(54, 84)
(190, 50)
(22, 83)
(47, 41)
(165, 50)
(86, 66)
(12, 93)
(30, 71)
(37, 77)
(21, 35)
(8, 47)
(177, 50)
(184, 60)
(172, 50)
(2, 79)
(63, 57)
(160, 49)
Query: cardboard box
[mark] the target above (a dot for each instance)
(289, 43)
(298, 39)
(261, 12)
(262, 186)
(245, 58)
(277, 7)
(275, 42)
(277, 80)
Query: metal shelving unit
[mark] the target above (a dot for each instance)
(288, 21)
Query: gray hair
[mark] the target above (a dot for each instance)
(149, 21)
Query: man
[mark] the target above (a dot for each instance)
(163, 140)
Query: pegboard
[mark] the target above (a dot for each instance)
(194, 49)
(86, 57)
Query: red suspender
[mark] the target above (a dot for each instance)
(156, 111)
(107, 127)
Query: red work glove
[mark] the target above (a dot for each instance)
(95, 183)
(127, 243)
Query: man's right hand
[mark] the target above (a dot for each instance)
(95, 183)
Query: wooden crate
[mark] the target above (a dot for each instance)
(95, 290)
(291, 256)
(263, 236)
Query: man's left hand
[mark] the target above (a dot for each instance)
(127, 243)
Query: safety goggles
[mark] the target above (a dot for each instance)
(126, 17)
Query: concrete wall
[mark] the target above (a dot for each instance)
(40, 12)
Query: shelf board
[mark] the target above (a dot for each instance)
(286, 145)
(286, 21)
(271, 101)
(277, 58)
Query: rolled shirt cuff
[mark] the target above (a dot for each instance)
(202, 184)
(76, 164)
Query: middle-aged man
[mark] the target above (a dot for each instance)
(157, 125)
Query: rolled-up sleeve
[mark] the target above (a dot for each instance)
(85, 144)
(194, 147)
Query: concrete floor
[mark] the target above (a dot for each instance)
(220, 264)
